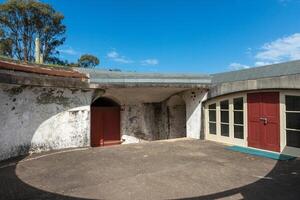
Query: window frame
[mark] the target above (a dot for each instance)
(285, 120)
(214, 122)
(225, 123)
(235, 124)
(218, 137)
(288, 150)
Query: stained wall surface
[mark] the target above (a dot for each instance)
(36, 119)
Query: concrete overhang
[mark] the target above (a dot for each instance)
(111, 79)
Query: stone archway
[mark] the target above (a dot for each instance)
(105, 122)
(176, 117)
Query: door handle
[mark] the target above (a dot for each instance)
(264, 119)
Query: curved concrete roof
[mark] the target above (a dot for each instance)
(277, 76)
(281, 69)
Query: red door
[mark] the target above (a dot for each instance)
(105, 126)
(263, 120)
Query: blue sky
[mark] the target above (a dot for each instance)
(181, 35)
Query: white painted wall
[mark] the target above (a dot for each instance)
(193, 100)
(35, 119)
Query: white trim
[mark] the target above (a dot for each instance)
(218, 137)
(286, 149)
(292, 111)
(292, 129)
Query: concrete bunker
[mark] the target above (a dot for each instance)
(176, 117)
(66, 108)
(105, 122)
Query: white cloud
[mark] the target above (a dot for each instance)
(280, 50)
(116, 57)
(123, 60)
(69, 51)
(237, 66)
(262, 63)
(151, 61)
(112, 54)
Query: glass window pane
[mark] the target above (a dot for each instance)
(239, 132)
(225, 130)
(238, 103)
(212, 115)
(293, 120)
(212, 128)
(293, 138)
(238, 117)
(224, 104)
(225, 116)
(212, 106)
(292, 103)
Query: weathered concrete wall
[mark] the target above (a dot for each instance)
(146, 121)
(152, 116)
(144, 114)
(193, 100)
(176, 117)
(42, 118)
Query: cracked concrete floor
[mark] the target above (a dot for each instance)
(174, 169)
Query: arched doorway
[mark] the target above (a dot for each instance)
(176, 117)
(105, 122)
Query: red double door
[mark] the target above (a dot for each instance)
(264, 120)
(105, 126)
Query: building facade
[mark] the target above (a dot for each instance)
(54, 108)
(256, 108)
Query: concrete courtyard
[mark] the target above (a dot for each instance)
(174, 169)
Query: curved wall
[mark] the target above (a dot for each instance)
(34, 119)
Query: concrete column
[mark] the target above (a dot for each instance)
(193, 100)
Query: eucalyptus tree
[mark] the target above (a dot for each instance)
(88, 61)
(21, 21)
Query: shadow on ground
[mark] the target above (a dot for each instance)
(282, 182)
(11, 187)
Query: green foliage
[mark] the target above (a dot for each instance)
(72, 64)
(21, 21)
(88, 60)
(5, 45)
